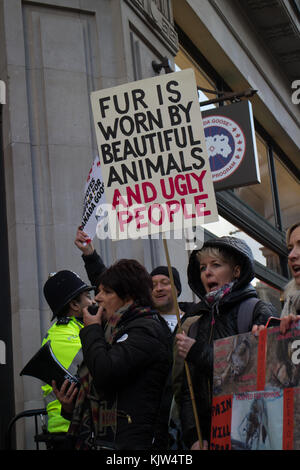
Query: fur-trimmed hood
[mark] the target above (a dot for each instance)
(291, 299)
(233, 245)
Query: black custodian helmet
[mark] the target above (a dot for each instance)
(61, 288)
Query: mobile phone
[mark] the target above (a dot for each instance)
(93, 309)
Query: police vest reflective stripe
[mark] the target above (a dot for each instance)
(66, 346)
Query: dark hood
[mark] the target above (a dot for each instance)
(231, 244)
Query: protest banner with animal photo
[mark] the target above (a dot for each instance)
(153, 156)
(256, 392)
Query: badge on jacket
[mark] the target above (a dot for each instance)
(123, 338)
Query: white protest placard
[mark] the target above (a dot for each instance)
(94, 198)
(153, 156)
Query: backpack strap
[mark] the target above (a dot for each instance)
(245, 314)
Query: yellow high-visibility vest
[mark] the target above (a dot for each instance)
(66, 346)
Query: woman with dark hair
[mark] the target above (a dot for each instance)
(128, 278)
(126, 363)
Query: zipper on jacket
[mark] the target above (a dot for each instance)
(212, 324)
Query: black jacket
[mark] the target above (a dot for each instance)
(134, 370)
(212, 325)
(95, 267)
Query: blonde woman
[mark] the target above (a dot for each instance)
(220, 275)
(291, 306)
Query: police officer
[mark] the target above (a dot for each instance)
(66, 295)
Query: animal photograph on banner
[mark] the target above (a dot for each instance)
(256, 393)
(153, 156)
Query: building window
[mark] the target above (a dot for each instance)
(184, 61)
(289, 206)
(259, 196)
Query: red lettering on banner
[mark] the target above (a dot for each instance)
(186, 214)
(261, 359)
(220, 438)
(145, 192)
(118, 199)
(172, 207)
(158, 213)
(180, 189)
(139, 217)
(149, 197)
(153, 218)
(201, 205)
(137, 204)
(124, 217)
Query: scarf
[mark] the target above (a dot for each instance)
(95, 416)
(213, 298)
(111, 329)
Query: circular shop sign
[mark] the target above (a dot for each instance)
(226, 145)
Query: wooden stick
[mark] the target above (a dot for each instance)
(187, 370)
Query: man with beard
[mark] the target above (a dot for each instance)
(163, 298)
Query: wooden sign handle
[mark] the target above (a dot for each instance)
(187, 370)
